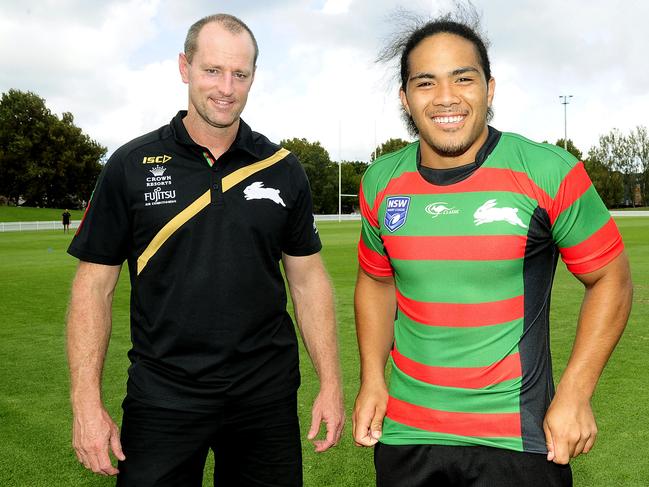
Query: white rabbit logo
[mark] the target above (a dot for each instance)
(488, 213)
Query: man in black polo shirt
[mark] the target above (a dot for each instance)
(203, 210)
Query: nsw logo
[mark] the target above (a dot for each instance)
(396, 212)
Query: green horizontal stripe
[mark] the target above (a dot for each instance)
(421, 223)
(399, 434)
(573, 225)
(462, 282)
(370, 239)
(445, 346)
(496, 399)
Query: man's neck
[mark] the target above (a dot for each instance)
(217, 140)
(435, 160)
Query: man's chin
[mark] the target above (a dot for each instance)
(450, 150)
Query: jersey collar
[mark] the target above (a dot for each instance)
(243, 141)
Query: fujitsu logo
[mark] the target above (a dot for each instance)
(441, 208)
(489, 213)
(158, 170)
(158, 195)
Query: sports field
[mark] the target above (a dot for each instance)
(35, 275)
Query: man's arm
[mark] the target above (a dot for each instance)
(375, 306)
(314, 312)
(88, 333)
(569, 424)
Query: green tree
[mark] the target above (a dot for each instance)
(322, 173)
(570, 148)
(616, 152)
(390, 145)
(351, 173)
(609, 184)
(44, 160)
(639, 141)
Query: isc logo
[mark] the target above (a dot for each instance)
(155, 159)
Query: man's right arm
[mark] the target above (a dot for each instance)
(88, 334)
(375, 306)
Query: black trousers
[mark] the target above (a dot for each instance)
(465, 466)
(254, 445)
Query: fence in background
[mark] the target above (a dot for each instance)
(56, 225)
(31, 226)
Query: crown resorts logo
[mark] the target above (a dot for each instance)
(158, 178)
(158, 170)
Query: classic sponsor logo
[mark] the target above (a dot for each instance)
(441, 208)
(489, 213)
(396, 212)
(156, 159)
(158, 178)
(257, 191)
(159, 197)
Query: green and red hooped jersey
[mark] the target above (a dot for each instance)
(473, 264)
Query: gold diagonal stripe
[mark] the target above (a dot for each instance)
(192, 210)
(174, 224)
(245, 172)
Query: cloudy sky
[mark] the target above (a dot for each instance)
(113, 64)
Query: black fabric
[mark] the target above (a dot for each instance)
(208, 312)
(537, 386)
(253, 445)
(465, 466)
(446, 177)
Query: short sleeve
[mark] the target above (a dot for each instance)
(103, 235)
(583, 228)
(301, 237)
(371, 252)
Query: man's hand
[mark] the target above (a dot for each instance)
(369, 411)
(92, 436)
(570, 428)
(328, 408)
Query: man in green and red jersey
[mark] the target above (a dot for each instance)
(461, 233)
(203, 210)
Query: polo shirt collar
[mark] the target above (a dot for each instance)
(243, 140)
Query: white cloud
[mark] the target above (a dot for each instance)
(335, 7)
(113, 65)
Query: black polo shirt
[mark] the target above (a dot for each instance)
(203, 245)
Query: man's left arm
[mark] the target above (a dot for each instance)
(314, 312)
(569, 425)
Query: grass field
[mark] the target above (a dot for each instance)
(35, 275)
(26, 214)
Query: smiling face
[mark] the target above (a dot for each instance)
(448, 97)
(219, 76)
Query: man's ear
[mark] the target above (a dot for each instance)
(183, 67)
(404, 101)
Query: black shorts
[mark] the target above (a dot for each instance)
(464, 466)
(253, 445)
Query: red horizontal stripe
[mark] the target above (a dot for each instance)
(594, 252)
(496, 247)
(573, 186)
(366, 212)
(461, 315)
(464, 424)
(462, 377)
(372, 262)
(484, 179)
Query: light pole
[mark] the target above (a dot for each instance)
(565, 99)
